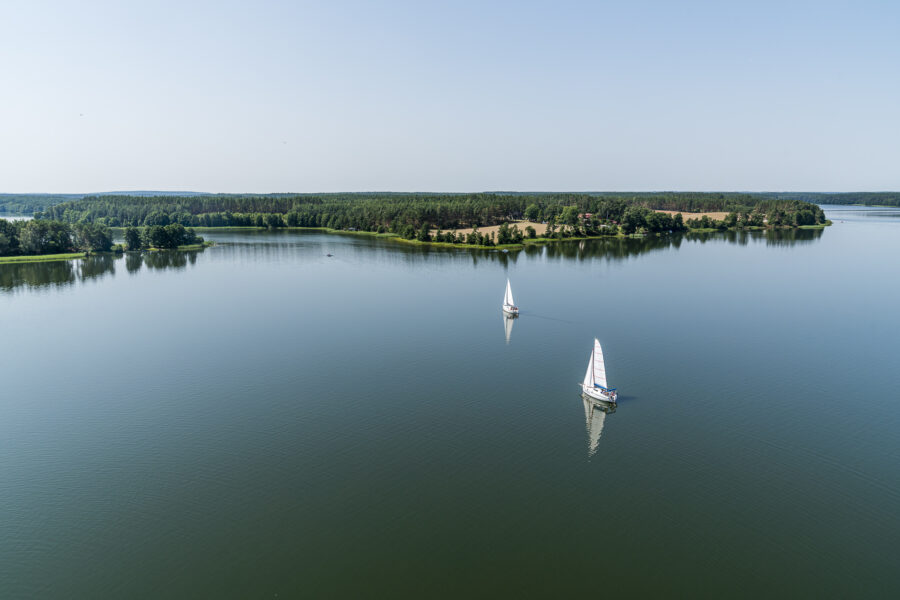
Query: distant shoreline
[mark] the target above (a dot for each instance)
(538, 241)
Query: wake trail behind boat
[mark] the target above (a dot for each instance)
(532, 315)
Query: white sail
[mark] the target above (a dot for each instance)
(507, 326)
(508, 297)
(599, 367)
(589, 376)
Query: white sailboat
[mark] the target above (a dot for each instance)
(509, 305)
(594, 384)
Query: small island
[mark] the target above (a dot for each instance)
(43, 240)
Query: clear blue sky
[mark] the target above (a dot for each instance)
(457, 96)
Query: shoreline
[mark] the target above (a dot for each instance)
(529, 241)
(34, 258)
(43, 257)
(526, 242)
(390, 236)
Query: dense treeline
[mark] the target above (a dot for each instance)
(52, 237)
(410, 214)
(863, 198)
(36, 237)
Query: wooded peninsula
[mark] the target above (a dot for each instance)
(166, 221)
(409, 215)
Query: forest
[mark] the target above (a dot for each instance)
(23, 238)
(409, 215)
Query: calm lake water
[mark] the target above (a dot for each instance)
(260, 419)
(15, 217)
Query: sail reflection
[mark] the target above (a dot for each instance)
(595, 412)
(508, 325)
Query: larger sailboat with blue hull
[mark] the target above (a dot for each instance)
(594, 384)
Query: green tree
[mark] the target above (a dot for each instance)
(9, 238)
(155, 236)
(633, 219)
(503, 234)
(45, 237)
(730, 220)
(90, 237)
(156, 217)
(273, 221)
(133, 239)
(569, 216)
(532, 212)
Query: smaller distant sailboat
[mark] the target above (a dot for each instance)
(509, 305)
(594, 384)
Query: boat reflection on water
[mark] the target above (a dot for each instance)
(595, 412)
(508, 325)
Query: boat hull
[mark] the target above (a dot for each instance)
(511, 310)
(598, 394)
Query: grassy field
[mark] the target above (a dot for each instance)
(41, 257)
(186, 247)
(819, 226)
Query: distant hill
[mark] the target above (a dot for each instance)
(148, 193)
(32, 203)
(28, 204)
(680, 201)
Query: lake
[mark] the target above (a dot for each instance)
(15, 217)
(259, 419)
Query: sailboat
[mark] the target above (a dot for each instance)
(594, 384)
(509, 305)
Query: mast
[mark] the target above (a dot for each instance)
(589, 376)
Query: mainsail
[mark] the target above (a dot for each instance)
(508, 297)
(599, 367)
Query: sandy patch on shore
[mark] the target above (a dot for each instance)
(494, 228)
(718, 216)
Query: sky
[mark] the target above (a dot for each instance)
(267, 96)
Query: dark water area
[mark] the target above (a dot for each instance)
(260, 419)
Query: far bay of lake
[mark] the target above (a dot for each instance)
(260, 418)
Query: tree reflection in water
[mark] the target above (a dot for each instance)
(61, 273)
(68, 272)
(170, 259)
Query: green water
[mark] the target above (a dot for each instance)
(260, 419)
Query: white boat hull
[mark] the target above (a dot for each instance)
(598, 394)
(510, 310)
